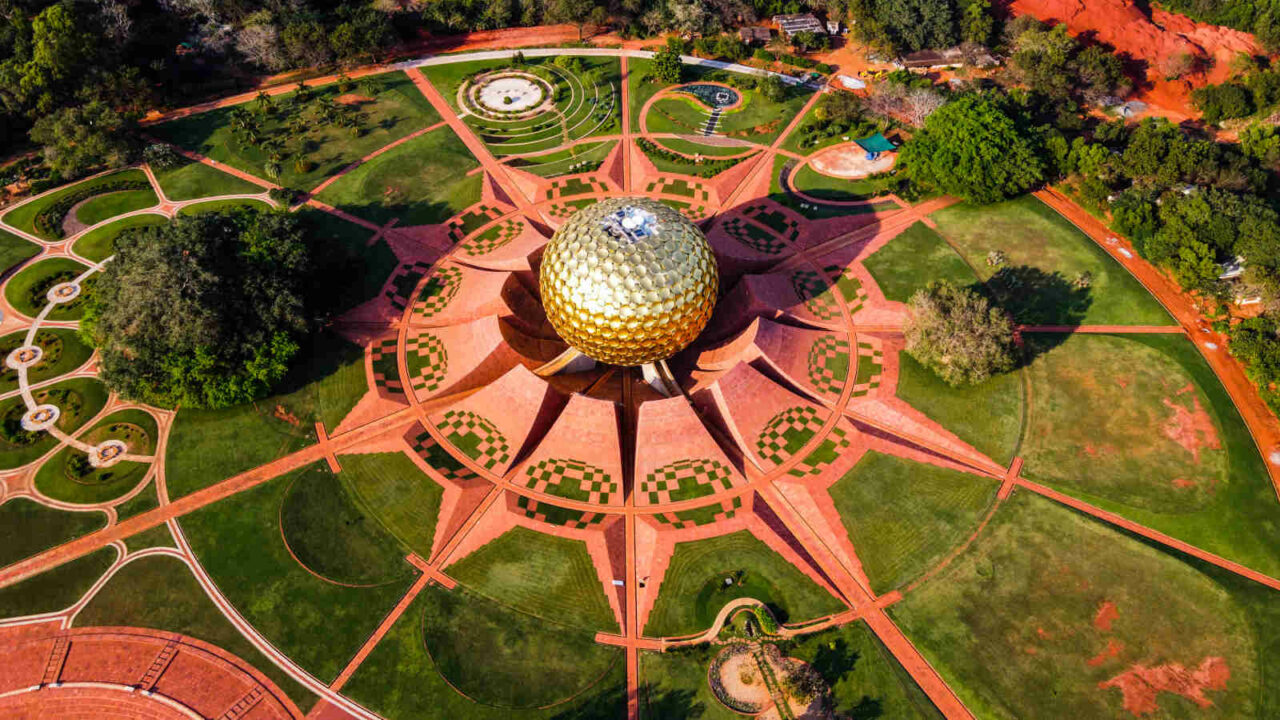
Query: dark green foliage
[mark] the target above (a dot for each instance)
(205, 311)
(955, 332)
(904, 26)
(49, 220)
(971, 147)
(707, 168)
(667, 67)
(79, 138)
(1256, 343)
(1223, 102)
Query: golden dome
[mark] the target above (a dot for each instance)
(628, 281)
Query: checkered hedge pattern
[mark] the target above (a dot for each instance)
(704, 515)
(438, 292)
(476, 437)
(427, 360)
(754, 236)
(403, 283)
(685, 480)
(466, 223)
(386, 370)
(815, 291)
(495, 237)
(827, 452)
(787, 432)
(829, 364)
(439, 459)
(870, 368)
(849, 286)
(569, 187)
(572, 479)
(679, 186)
(775, 220)
(556, 515)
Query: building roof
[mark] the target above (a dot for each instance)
(755, 32)
(792, 24)
(876, 143)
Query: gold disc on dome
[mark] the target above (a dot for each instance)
(628, 281)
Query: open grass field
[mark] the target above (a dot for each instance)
(988, 416)
(693, 590)
(402, 678)
(189, 180)
(1167, 449)
(389, 106)
(1048, 254)
(99, 244)
(24, 216)
(56, 589)
(27, 528)
(539, 574)
(27, 290)
(63, 350)
(220, 205)
(904, 517)
(578, 159)
(677, 113)
(391, 490)
(161, 593)
(206, 446)
(79, 400)
(327, 533)
(108, 205)
(912, 260)
(673, 685)
(689, 146)
(14, 250)
(239, 543)
(421, 182)
(1050, 614)
(146, 499)
(825, 187)
(158, 536)
(67, 477)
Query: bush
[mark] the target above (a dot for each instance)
(765, 55)
(958, 334)
(706, 168)
(161, 156)
(1256, 343)
(1223, 102)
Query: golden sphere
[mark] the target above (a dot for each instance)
(628, 281)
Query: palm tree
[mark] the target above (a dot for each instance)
(272, 169)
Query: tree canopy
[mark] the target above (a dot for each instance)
(958, 334)
(971, 147)
(205, 311)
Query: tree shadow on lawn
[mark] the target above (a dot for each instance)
(407, 211)
(670, 705)
(1035, 297)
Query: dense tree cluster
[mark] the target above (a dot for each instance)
(1255, 90)
(1050, 61)
(206, 311)
(904, 26)
(957, 333)
(1260, 17)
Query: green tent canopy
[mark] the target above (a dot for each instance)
(877, 143)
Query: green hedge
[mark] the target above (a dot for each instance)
(49, 220)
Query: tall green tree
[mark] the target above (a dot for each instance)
(958, 334)
(79, 138)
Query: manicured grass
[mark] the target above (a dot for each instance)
(329, 534)
(26, 291)
(206, 446)
(364, 267)
(220, 205)
(146, 500)
(865, 679)
(161, 593)
(421, 182)
(1011, 624)
(318, 624)
(390, 489)
(99, 244)
(397, 109)
(27, 527)
(673, 685)
(96, 209)
(639, 89)
(67, 477)
(14, 250)
(693, 590)
(988, 415)
(825, 187)
(498, 657)
(904, 517)
(677, 113)
(539, 574)
(579, 159)
(158, 536)
(56, 589)
(1048, 254)
(79, 400)
(690, 147)
(24, 216)
(1078, 405)
(912, 260)
(64, 351)
(189, 180)
(757, 119)
(812, 210)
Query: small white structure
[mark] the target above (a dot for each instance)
(850, 82)
(800, 22)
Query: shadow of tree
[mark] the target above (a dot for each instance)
(673, 704)
(1035, 297)
(835, 660)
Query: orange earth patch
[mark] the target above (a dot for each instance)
(1141, 684)
(352, 99)
(1192, 429)
(1114, 648)
(1107, 612)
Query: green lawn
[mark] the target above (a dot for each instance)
(578, 159)
(330, 535)
(913, 259)
(99, 244)
(359, 270)
(239, 543)
(27, 527)
(1047, 254)
(691, 147)
(677, 113)
(67, 477)
(673, 685)
(209, 206)
(189, 180)
(757, 119)
(109, 205)
(693, 590)
(904, 517)
(24, 216)
(506, 661)
(825, 187)
(421, 182)
(396, 109)
(1105, 411)
(79, 399)
(988, 415)
(207, 446)
(543, 575)
(145, 501)
(161, 593)
(56, 589)
(390, 489)
(14, 250)
(1013, 624)
(26, 291)
(63, 349)
(158, 536)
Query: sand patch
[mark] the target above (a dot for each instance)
(1107, 612)
(850, 162)
(353, 99)
(1114, 648)
(1141, 684)
(1192, 428)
